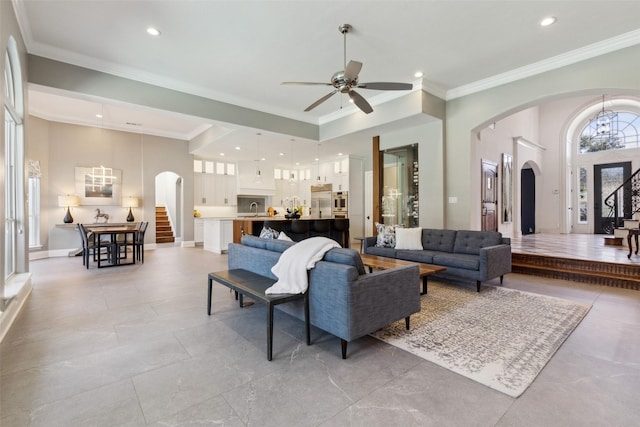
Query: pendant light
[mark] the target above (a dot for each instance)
(258, 176)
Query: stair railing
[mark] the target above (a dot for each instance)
(612, 221)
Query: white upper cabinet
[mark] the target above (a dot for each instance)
(248, 182)
(214, 183)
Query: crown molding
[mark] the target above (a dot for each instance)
(587, 52)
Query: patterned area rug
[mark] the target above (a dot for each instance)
(501, 338)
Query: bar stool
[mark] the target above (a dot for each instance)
(341, 226)
(321, 228)
(299, 230)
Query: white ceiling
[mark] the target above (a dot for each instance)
(240, 51)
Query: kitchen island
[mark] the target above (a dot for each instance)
(296, 229)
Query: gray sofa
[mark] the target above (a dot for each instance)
(343, 299)
(476, 255)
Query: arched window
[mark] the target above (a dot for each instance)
(14, 164)
(621, 132)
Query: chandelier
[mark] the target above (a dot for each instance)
(605, 123)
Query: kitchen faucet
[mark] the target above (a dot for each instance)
(254, 204)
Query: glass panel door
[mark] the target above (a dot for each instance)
(608, 178)
(400, 177)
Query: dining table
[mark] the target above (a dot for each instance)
(108, 237)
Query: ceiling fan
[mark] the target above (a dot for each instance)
(345, 81)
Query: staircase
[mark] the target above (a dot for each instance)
(164, 233)
(618, 223)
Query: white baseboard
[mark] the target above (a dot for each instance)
(188, 244)
(17, 292)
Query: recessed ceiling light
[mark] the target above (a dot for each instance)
(99, 116)
(339, 154)
(222, 154)
(548, 21)
(281, 154)
(418, 74)
(153, 31)
(263, 159)
(237, 148)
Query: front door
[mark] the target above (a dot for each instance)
(606, 179)
(489, 196)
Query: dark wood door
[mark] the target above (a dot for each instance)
(489, 196)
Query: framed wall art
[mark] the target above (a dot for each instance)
(98, 186)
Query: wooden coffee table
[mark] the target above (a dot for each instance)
(384, 263)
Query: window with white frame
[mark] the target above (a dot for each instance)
(33, 201)
(621, 133)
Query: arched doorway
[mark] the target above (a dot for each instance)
(169, 202)
(594, 169)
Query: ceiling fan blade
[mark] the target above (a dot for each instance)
(360, 102)
(386, 86)
(320, 101)
(306, 83)
(352, 70)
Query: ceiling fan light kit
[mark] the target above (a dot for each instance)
(346, 80)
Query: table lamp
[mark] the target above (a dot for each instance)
(68, 202)
(130, 202)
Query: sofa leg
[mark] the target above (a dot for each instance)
(501, 278)
(343, 344)
(478, 282)
(406, 322)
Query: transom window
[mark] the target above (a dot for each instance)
(626, 136)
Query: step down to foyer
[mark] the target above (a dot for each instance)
(164, 233)
(625, 276)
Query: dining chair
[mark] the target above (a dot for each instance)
(90, 248)
(139, 241)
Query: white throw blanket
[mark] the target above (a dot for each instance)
(291, 268)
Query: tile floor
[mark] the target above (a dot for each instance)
(580, 246)
(133, 346)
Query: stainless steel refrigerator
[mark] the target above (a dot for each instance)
(321, 199)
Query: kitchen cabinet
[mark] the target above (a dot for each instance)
(218, 233)
(216, 188)
(198, 230)
(247, 183)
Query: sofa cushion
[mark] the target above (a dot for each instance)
(386, 235)
(283, 236)
(470, 241)
(464, 261)
(438, 240)
(278, 245)
(374, 250)
(345, 256)
(425, 257)
(253, 241)
(268, 233)
(409, 238)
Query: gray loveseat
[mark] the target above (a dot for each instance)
(343, 300)
(476, 255)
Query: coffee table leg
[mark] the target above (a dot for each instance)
(424, 285)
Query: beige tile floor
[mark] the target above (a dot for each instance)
(133, 346)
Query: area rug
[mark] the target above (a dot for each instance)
(501, 338)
